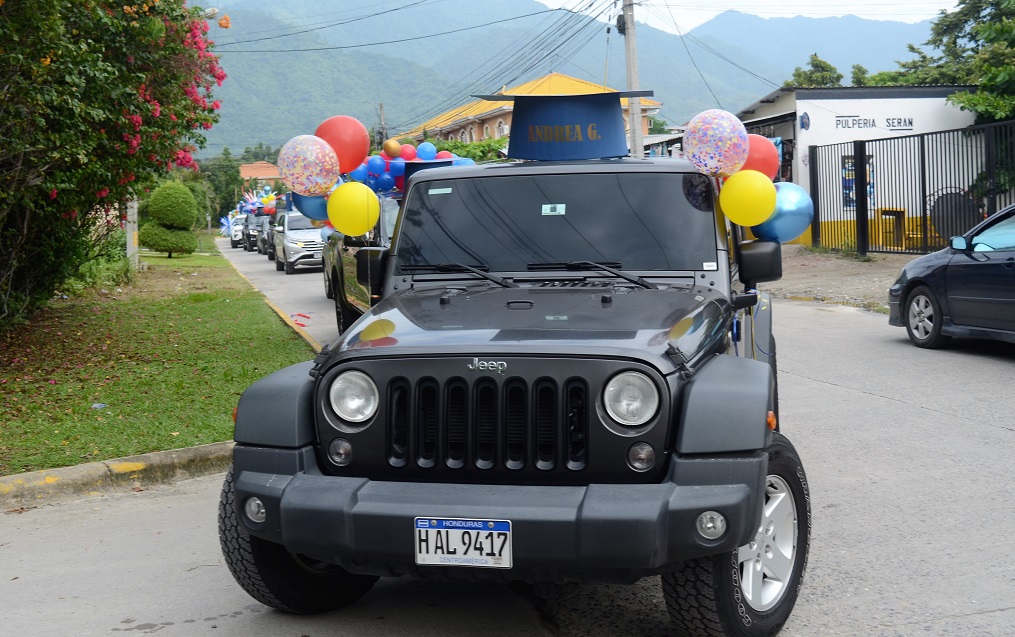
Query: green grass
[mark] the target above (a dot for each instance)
(158, 364)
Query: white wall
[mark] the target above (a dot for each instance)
(834, 121)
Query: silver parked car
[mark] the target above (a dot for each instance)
(297, 242)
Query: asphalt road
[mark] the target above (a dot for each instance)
(908, 455)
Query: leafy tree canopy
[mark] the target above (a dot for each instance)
(98, 98)
(818, 74)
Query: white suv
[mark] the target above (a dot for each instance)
(236, 231)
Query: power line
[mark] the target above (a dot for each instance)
(328, 26)
(359, 46)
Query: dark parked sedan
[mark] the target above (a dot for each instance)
(966, 290)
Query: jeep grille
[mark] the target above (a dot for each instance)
(484, 424)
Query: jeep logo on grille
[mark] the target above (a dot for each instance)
(492, 366)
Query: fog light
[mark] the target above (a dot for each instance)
(711, 525)
(641, 456)
(254, 509)
(340, 452)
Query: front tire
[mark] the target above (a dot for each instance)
(924, 318)
(277, 578)
(751, 591)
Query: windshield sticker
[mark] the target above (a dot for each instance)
(556, 318)
(551, 209)
(439, 191)
(710, 265)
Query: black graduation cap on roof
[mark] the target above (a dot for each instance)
(566, 127)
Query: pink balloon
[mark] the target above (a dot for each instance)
(408, 152)
(444, 154)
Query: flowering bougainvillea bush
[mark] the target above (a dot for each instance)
(97, 100)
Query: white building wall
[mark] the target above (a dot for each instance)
(833, 121)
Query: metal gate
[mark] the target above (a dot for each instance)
(910, 194)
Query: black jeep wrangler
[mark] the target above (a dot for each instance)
(563, 372)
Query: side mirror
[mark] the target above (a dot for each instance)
(960, 243)
(370, 266)
(760, 261)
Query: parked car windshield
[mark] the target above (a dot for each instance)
(642, 221)
(299, 222)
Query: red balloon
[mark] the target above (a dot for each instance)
(762, 156)
(408, 152)
(400, 182)
(444, 154)
(384, 156)
(349, 139)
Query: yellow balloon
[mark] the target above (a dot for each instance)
(353, 208)
(748, 198)
(381, 328)
(392, 148)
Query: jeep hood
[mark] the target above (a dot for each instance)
(480, 320)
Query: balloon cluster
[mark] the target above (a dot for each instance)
(717, 144)
(263, 200)
(336, 184)
(385, 171)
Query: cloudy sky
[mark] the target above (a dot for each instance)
(671, 15)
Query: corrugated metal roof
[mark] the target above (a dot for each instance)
(552, 84)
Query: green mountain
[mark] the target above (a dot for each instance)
(293, 64)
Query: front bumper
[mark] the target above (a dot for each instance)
(894, 308)
(600, 532)
(298, 255)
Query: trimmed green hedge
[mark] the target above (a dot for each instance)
(172, 205)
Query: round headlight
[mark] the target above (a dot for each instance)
(631, 398)
(354, 396)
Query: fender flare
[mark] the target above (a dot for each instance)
(725, 406)
(278, 410)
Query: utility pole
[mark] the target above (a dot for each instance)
(633, 103)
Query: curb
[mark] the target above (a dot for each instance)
(113, 476)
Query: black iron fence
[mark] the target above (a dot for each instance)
(910, 194)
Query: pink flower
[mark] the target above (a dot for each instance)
(216, 105)
(102, 193)
(52, 194)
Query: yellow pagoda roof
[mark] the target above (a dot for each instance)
(552, 84)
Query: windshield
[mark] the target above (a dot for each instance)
(299, 222)
(634, 221)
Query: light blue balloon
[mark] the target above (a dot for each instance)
(794, 212)
(426, 151)
(326, 231)
(312, 207)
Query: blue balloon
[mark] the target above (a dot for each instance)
(794, 212)
(396, 167)
(375, 165)
(385, 182)
(361, 172)
(313, 207)
(371, 182)
(426, 151)
(463, 161)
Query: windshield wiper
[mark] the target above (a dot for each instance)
(610, 266)
(460, 267)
